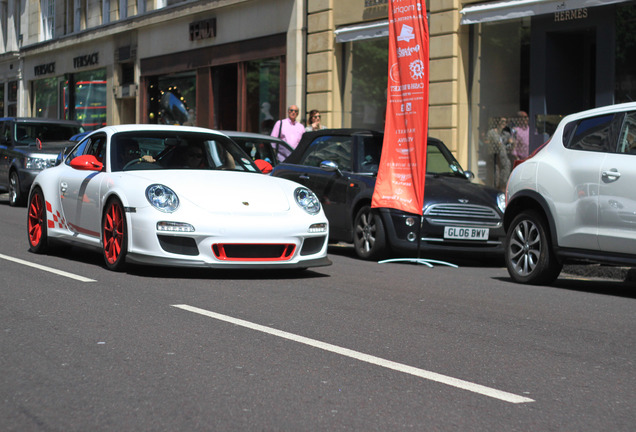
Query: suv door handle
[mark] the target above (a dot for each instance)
(304, 177)
(613, 173)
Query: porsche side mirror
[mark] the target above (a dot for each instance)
(87, 163)
(264, 166)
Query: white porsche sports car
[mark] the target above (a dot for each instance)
(178, 196)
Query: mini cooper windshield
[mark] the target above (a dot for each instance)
(151, 150)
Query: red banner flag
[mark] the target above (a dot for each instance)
(402, 171)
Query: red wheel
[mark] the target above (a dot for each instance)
(36, 222)
(114, 236)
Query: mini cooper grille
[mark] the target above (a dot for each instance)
(466, 214)
(253, 252)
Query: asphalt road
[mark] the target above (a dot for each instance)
(354, 346)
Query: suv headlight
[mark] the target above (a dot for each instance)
(162, 198)
(501, 201)
(307, 200)
(38, 163)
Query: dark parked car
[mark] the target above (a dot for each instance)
(340, 166)
(27, 146)
(259, 146)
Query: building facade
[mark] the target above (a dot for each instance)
(502, 73)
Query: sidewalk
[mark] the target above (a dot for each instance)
(599, 271)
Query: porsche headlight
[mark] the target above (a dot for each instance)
(162, 198)
(501, 201)
(307, 200)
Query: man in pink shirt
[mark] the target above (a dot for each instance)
(288, 129)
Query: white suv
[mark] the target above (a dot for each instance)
(574, 199)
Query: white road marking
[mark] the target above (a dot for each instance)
(432, 376)
(48, 269)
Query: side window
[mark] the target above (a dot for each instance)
(369, 154)
(627, 137)
(96, 147)
(5, 130)
(329, 148)
(77, 151)
(593, 134)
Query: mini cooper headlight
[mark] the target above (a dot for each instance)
(162, 198)
(307, 200)
(501, 202)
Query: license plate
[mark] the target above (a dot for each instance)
(463, 233)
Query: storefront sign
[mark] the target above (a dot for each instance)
(570, 15)
(205, 29)
(402, 171)
(44, 69)
(86, 60)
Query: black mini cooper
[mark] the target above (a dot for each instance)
(340, 166)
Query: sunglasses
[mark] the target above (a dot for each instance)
(291, 110)
(316, 116)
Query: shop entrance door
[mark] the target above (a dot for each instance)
(225, 87)
(571, 67)
(570, 71)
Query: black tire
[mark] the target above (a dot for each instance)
(37, 222)
(114, 235)
(528, 251)
(16, 198)
(369, 237)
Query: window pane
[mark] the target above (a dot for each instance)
(592, 135)
(45, 98)
(263, 90)
(90, 98)
(369, 76)
(177, 99)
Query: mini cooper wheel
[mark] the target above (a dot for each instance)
(15, 195)
(36, 222)
(114, 235)
(528, 252)
(369, 237)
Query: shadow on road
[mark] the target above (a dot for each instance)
(570, 282)
(85, 256)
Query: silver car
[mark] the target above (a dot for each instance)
(574, 199)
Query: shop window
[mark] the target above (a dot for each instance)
(172, 99)
(1, 99)
(500, 100)
(84, 98)
(367, 82)
(45, 98)
(12, 99)
(262, 85)
(625, 84)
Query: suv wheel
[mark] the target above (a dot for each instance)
(528, 252)
(369, 238)
(15, 196)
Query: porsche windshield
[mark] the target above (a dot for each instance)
(152, 150)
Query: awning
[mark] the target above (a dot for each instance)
(511, 9)
(358, 32)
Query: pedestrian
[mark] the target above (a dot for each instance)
(314, 121)
(289, 129)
